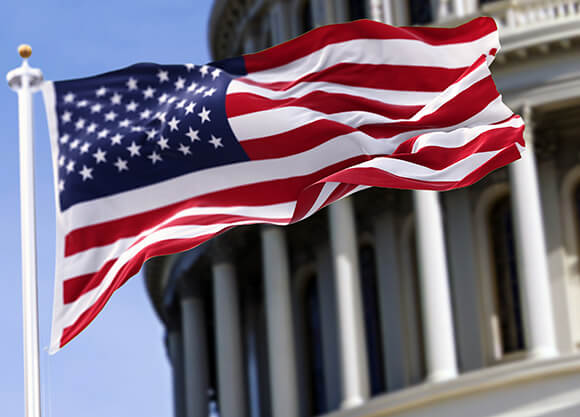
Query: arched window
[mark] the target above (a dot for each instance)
(313, 353)
(371, 310)
(508, 304)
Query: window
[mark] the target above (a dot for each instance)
(506, 276)
(306, 17)
(371, 311)
(420, 12)
(357, 9)
(313, 349)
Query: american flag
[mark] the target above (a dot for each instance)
(156, 159)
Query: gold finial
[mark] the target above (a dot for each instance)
(25, 51)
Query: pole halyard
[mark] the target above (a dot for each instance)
(25, 81)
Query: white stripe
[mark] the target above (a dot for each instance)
(405, 169)
(395, 97)
(382, 51)
(90, 260)
(461, 136)
(323, 195)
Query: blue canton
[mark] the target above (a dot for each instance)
(141, 125)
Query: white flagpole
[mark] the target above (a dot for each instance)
(25, 81)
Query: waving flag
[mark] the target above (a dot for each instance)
(156, 159)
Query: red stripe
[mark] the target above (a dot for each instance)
(128, 270)
(384, 77)
(364, 29)
(376, 177)
(257, 194)
(73, 288)
(457, 110)
(238, 104)
(295, 141)
(438, 158)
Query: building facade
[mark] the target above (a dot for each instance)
(392, 302)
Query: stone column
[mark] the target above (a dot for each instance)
(531, 249)
(175, 352)
(228, 339)
(195, 355)
(353, 354)
(281, 352)
(438, 334)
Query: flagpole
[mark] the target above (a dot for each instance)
(25, 81)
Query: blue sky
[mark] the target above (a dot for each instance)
(117, 367)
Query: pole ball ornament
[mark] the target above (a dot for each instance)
(25, 51)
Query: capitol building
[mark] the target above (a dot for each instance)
(398, 303)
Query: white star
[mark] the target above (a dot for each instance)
(95, 108)
(74, 144)
(160, 116)
(180, 83)
(204, 115)
(132, 106)
(101, 92)
(171, 99)
(148, 93)
(200, 89)
(132, 84)
(70, 167)
(193, 134)
(173, 124)
(69, 98)
(155, 157)
(61, 161)
(192, 87)
(61, 185)
(163, 76)
(145, 114)
(82, 103)
(134, 149)
(116, 98)
(85, 147)
(181, 104)
(103, 133)
(86, 172)
(151, 134)
(136, 128)
(121, 165)
(92, 127)
(100, 155)
(163, 143)
(189, 66)
(111, 116)
(184, 149)
(80, 124)
(215, 73)
(204, 70)
(124, 123)
(64, 138)
(66, 117)
(162, 98)
(116, 140)
(209, 92)
(189, 108)
(216, 142)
